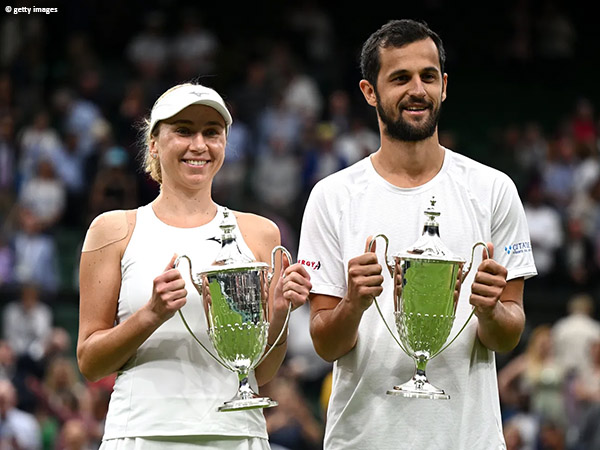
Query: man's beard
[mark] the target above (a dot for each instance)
(402, 130)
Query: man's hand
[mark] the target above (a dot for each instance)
(364, 279)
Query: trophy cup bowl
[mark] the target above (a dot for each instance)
(236, 305)
(426, 286)
(424, 313)
(235, 298)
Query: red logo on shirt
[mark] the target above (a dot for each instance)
(315, 265)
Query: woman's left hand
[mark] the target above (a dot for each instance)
(292, 287)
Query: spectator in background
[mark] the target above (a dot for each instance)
(74, 436)
(532, 150)
(36, 141)
(545, 230)
(583, 123)
(292, 425)
(574, 334)
(194, 47)
(586, 402)
(339, 111)
(585, 208)
(19, 430)
(558, 173)
(533, 382)
(27, 323)
(253, 95)
(148, 52)
(115, 185)
(276, 180)
(45, 196)
(78, 115)
(313, 28)
(321, 158)
(69, 165)
(278, 123)
(132, 109)
(555, 33)
(301, 94)
(60, 393)
(578, 260)
(358, 142)
(35, 254)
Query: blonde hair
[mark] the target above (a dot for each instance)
(150, 165)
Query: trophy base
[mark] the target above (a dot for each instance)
(419, 389)
(247, 403)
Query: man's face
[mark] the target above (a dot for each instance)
(410, 91)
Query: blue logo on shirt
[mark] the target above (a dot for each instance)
(518, 248)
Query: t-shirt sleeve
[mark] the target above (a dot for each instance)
(320, 247)
(510, 232)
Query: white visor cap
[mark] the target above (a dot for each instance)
(180, 97)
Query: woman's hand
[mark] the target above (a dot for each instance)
(293, 286)
(168, 293)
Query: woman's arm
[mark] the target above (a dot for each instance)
(102, 346)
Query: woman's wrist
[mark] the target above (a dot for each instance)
(282, 341)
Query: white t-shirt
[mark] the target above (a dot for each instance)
(172, 387)
(477, 203)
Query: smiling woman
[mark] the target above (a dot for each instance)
(167, 390)
(189, 147)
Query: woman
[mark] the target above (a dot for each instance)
(168, 388)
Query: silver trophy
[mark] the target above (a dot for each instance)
(235, 297)
(427, 279)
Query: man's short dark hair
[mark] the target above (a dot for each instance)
(395, 33)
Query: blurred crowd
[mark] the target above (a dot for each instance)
(70, 107)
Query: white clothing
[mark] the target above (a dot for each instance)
(46, 198)
(546, 232)
(572, 339)
(187, 443)
(172, 387)
(27, 331)
(23, 428)
(477, 203)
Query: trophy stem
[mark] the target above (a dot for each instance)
(246, 398)
(419, 386)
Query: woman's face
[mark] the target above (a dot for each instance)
(190, 147)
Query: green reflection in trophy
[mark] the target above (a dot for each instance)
(426, 284)
(235, 298)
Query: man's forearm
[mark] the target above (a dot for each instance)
(334, 330)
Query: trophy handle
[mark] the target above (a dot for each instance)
(289, 311)
(464, 276)
(179, 258)
(389, 266)
(391, 271)
(475, 245)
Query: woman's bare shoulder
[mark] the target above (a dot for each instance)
(260, 233)
(108, 228)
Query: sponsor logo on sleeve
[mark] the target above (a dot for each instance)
(518, 248)
(314, 265)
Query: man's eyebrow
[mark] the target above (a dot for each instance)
(427, 69)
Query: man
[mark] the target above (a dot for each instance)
(388, 192)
